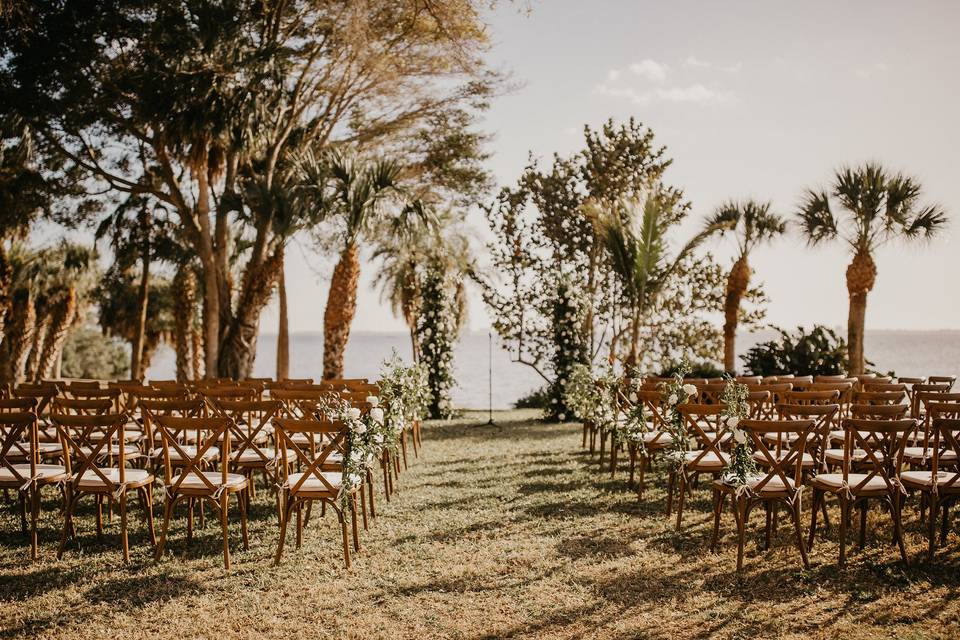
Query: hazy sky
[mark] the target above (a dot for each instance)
(752, 99)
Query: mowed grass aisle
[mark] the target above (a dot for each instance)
(502, 531)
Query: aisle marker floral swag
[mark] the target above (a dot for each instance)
(741, 468)
(675, 393)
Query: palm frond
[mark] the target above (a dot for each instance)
(815, 217)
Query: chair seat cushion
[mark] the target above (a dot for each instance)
(193, 481)
(45, 473)
(758, 456)
(313, 484)
(773, 485)
(90, 481)
(709, 462)
(655, 438)
(210, 454)
(129, 451)
(834, 481)
(922, 479)
(856, 456)
(918, 455)
(251, 455)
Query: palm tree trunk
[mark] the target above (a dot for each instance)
(32, 365)
(60, 323)
(861, 276)
(136, 351)
(185, 304)
(737, 282)
(6, 281)
(341, 307)
(283, 331)
(20, 329)
(196, 337)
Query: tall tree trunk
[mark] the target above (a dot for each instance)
(196, 337)
(211, 279)
(184, 310)
(239, 347)
(861, 276)
(737, 282)
(283, 331)
(21, 327)
(136, 369)
(6, 281)
(32, 364)
(60, 324)
(341, 307)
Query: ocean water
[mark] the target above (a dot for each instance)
(908, 353)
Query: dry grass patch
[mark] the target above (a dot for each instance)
(505, 531)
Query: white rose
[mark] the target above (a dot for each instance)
(689, 389)
(354, 479)
(373, 401)
(353, 413)
(377, 415)
(733, 421)
(356, 455)
(672, 399)
(739, 436)
(562, 417)
(633, 396)
(361, 428)
(378, 438)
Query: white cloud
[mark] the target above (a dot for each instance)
(693, 93)
(693, 62)
(613, 75)
(650, 69)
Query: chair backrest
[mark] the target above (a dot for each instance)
(327, 447)
(749, 380)
(299, 403)
(182, 407)
(880, 397)
(82, 406)
(783, 457)
(81, 385)
(87, 441)
(946, 448)
(760, 405)
(704, 422)
(881, 443)
(710, 393)
(248, 419)
(811, 397)
(825, 417)
(947, 380)
(211, 394)
(878, 411)
(210, 432)
(776, 389)
(888, 387)
(42, 393)
(18, 443)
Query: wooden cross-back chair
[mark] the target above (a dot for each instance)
(704, 424)
(874, 474)
(947, 380)
(825, 418)
(918, 453)
(180, 407)
(251, 426)
(186, 477)
(922, 392)
(21, 466)
(780, 481)
(761, 404)
(655, 440)
(811, 397)
(98, 393)
(95, 458)
(299, 403)
(880, 397)
(835, 454)
(101, 407)
(319, 476)
(43, 393)
(940, 485)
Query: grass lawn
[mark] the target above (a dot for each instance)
(504, 531)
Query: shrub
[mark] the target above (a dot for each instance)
(90, 354)
(817, 352)
(537, 399)
(698, 370)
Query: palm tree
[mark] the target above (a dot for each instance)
(356, 193)
(402, 257)
(875, 206)
(283, 331)
(752, 223)
(634, 235)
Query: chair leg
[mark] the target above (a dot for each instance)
(844, 519)
(641, 473)
(353, 523)
(124, 539)
(167, 513)
(34, 516)
(67, 521)
(148, 507)
(224, 507)
(896, 510)
(403, 448)
(671, 481)
(363, 508)
(373, 506)
(284, 518)
(741, 509)
(681, 496)
(945, 524)
(768, 529)
(799, 534)
(863, 523)
(99, 516)
(299, 524)
(346, 540)
(719, 497)
(932, 528)
(243, 522)
(813, 517)
(189, 519)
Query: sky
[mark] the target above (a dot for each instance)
(752, 100)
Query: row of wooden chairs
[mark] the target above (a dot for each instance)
(108, 441)
(852, 446)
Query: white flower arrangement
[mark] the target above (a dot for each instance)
(741, 467)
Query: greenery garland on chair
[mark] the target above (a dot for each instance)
(741, 468)
(436, 336)
(675, 393)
